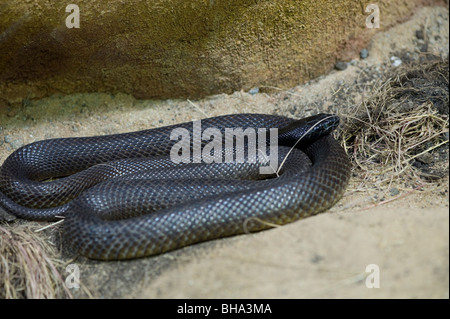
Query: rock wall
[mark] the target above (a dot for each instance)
(178, 48)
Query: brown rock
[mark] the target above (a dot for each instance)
(177, 48)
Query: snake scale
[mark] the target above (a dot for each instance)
(123, 197)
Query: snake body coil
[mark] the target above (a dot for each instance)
(123, 197)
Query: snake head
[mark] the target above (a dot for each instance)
(307, 130)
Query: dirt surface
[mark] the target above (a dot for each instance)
(405, 232)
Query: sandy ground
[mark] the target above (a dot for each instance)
(325, 256)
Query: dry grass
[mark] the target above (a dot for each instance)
(28, 268)
(402, 125)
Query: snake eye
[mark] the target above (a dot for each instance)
(331, 122)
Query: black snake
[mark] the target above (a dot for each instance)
(123, 197)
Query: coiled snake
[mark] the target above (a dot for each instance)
(123, 197)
